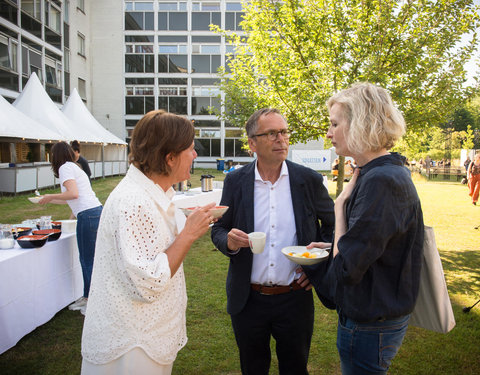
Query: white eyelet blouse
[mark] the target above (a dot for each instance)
(134, 301)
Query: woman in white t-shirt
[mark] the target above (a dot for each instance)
(78, 194)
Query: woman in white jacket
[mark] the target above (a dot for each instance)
(135, 321)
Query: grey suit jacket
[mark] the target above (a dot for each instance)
(311, 204)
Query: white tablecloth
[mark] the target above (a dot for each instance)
(35, 284)
(196, 198)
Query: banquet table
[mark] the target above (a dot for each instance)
(35, 284)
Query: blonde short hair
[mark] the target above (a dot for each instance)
(374, 122)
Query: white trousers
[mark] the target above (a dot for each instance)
(134, 362)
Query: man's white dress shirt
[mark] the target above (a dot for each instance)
(273, 212)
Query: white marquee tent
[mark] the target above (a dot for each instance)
(14, 124)
(113, 149)
(35, 102)
(79, 114)
(35, 118)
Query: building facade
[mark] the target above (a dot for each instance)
(126, 58)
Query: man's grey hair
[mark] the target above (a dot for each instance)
(252, 123)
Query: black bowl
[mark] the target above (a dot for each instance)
(56, 224)
(53, 234)
(29, 242)
(20, 231)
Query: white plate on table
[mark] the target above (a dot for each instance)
(318, 255)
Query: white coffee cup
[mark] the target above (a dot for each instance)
(256, 241)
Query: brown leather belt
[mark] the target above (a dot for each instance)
(276, 289)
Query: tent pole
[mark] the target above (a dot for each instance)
(103, 160)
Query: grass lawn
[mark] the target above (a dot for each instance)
(54, 348)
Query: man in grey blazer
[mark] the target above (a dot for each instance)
(268, 295)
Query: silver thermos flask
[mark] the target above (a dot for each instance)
(210, 182)
(204, 182)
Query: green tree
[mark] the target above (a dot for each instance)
(298, 52)
(468, 138)
(461, 119)
(473, 106)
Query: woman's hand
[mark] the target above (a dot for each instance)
(347, 191)
(47, 198)
(196, 226)
(320, 245)
(340, 219)
(198, 221)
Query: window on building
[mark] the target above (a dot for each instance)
(205, 96)
(206, 56)
(172, 54)
(50, 72)
(9, 11)
(81, 45)
(81, 5)
(139, 57)
(173, 99)
(53, 16)
(31, 24)
(8, 63)
(82, 88)
(233, 145)
(130, 125)
(139, 15)
(66, 59)
(172, 16)
(66, 35)
(139, 96)
(66, 13)
(32, 7)
(31, 62)
(207, 137)
(204, 14)
(66, 72)
(233, 16)
(205, 63)
(172, 81)
(53, 76)
(8, 53)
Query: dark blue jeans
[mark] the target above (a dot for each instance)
(369, 348)
(87, 226)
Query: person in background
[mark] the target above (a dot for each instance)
(78, 194)
(348, 170)
(372, 275)
(135, 321)
(467, 163)
(80, 159)
(267, 294)
(428, 165)
(335, 169)
(473, 177)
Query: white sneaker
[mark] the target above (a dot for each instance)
(78, 304)
(83, 309)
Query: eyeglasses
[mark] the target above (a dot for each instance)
(273, 134)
